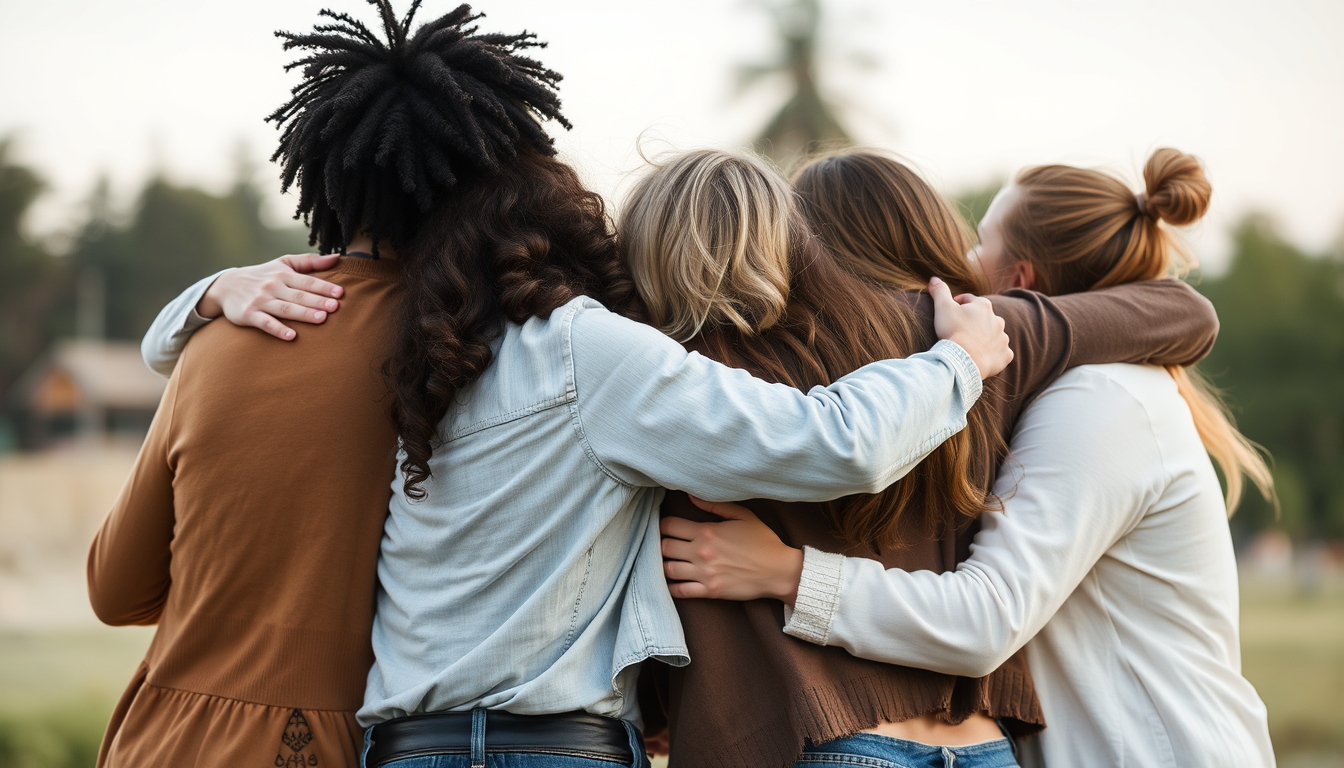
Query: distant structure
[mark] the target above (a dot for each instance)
(87, 390)
(807, 121)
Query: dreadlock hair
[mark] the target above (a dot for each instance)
(431, 140)
(380, 127)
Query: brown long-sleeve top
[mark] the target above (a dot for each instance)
(751, 694)
(249, 532)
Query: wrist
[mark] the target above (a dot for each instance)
(789, 575)
(967, 344)
(211, 304)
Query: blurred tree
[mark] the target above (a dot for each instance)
(176, 236)
(973, 203)
(806, 121)
(31, 281)
(1280, 358)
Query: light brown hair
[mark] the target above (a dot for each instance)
(717, 242)
(1082, 229)
(889, 227)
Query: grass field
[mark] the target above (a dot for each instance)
(57, 688)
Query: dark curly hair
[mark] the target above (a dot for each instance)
(515, 245)
(431, 142)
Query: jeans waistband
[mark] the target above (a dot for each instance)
(483, 731)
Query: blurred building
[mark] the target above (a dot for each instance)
(86, 390)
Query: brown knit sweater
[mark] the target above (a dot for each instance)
(752, 694)
(249, 532)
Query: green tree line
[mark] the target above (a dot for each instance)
(1279, 357)
(173, 236)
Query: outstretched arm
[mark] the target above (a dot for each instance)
(1162, 322)
(652, 414)
(1074, 495)
(259, 297)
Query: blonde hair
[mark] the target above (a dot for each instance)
(1082, 229)
(724, 257)
(706, 236)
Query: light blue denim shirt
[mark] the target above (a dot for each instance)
(530, 578)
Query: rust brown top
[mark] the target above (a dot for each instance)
(249, 532)
(752, 694)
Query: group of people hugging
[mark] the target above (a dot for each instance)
(764, 471)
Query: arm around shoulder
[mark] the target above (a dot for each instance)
(652, 414)
(176, 322)
(1160, 322)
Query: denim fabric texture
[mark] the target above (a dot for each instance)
(530, 579)
(875, 751)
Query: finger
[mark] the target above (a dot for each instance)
(679, 570)
(965, 298)
(942, 295)
(310, 299)
(724, 509)
(314, 285)
(309, 262)
(265, 322)
(288, 310)
(676, 549)
(688, 590)
(679, 527)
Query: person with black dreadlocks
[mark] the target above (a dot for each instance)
(519, 577)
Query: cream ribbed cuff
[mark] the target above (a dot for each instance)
(818, 595)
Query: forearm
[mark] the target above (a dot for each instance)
(721, 434)
(168, 335)
(1160, 322)
(1084, 468)
(1163, 322)
(966, 622)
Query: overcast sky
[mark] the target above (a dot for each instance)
(970, 90)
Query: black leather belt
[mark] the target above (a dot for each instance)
(572, 733)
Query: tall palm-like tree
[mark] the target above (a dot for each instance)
(807, 119)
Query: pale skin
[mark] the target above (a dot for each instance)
(265, 295)
(741, 558)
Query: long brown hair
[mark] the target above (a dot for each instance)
(889, 227)
(816, 324)
(513, 244)
(1082, 229)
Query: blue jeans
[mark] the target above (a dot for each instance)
(874, 751)
(481, 757)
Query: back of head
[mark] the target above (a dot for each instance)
(430, 140)
(707, 237)
(1081, 229)
(725, 260)
(381, 127)
(884, 222)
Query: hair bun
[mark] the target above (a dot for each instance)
(1177, 190)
